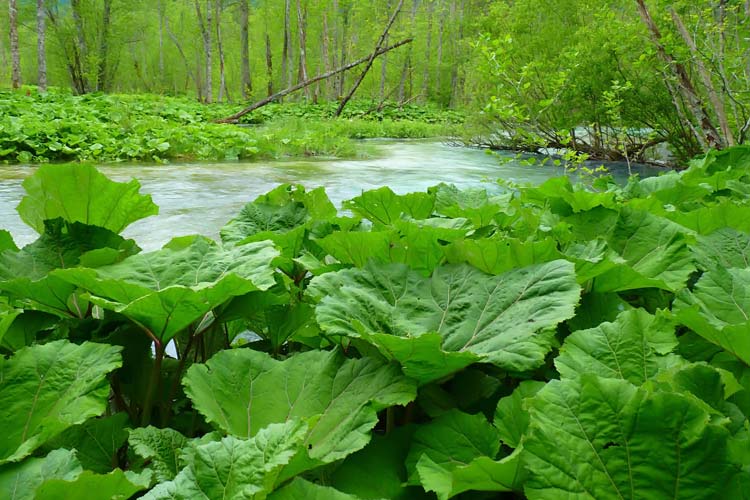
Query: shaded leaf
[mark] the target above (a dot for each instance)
(48, 388)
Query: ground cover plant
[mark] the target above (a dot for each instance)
(58, 126)
(557, 341)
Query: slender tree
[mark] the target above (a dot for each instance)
(101, 77)
(246, 84)
(205, 27)
(14, 49)
(41, 50)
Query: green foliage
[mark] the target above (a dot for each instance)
(58, 126)
(584, 341)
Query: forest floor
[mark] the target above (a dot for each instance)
(58, 126)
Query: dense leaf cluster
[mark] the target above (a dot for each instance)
(557, 341)
(58, 126)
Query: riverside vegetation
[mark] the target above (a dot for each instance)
(551, 341)
(58, 126)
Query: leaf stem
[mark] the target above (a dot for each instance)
(176, 382)
(154, 383)
(390, 420)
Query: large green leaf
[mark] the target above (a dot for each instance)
(19, 481)
(161, 447)
(45, 389)
(96, 441)
(301, 489)
(169, 289)
(635, 347)
(235, 468)
(655, 250)
(383, 206)
(285, 208)
(499, 255)
(386, 455)
(240, 392)
(511, 415)
(593, 438)
(496, 318)
(723, 248)
(718, 309)
(24, 273)
(456, 452)
(80, 193)
(117, 485)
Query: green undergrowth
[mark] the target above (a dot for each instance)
(555, 341)
(58, 127)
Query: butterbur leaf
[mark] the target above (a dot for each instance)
(48, 388)
(96, 441)
(299, 489)
(456, 453)
(654, 248)
(604, 438)
(499, 255)
(161, 447)
(499, 319)
(19, 481)
(6, 241)
(169, 289)
(481, 474)
(386, 455)
(718, 309)
(725, 248)
(511, 415)
(235, 468)
(239, 391)
(455, 438)
(80, 193)
(117, 485)
(635, 347)
(383, 206)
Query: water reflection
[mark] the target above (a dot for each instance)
(200, 198)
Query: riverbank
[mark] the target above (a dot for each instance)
(58, 126)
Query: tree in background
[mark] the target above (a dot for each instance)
(15, 54)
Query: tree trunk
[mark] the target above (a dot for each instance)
(384, 62)
(101, 74)
(344, 49)
(378, 46)
(205, 28)
(439, 63)
(325, 55)
(716, 102)
(406, 70)
(711, 136)
(161, 40)
(41, 49)
(456, 40)
(247, 84)
(301, 28)
(269, 64)
(80, 51)
(223, 90)
(14, 49)
(286, 56)
(428, 50)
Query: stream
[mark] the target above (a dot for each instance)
(202, 197)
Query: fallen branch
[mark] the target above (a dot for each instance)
(306, 83)
(370, 60)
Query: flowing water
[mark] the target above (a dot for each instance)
(202, 197)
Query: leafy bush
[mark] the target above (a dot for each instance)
(558, 340)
